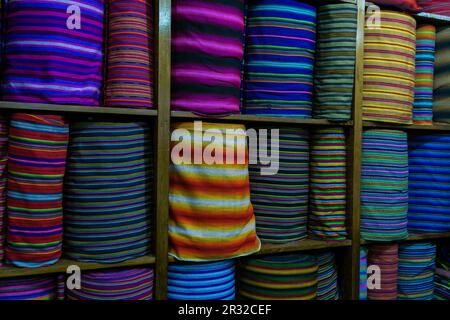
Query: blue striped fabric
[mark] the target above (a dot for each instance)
(28, 288)
(107, 215)
(416, 264)
(429, 183)
(202, 281)
(327, 276)
(279, 60)
(48, 58)
(3, 173)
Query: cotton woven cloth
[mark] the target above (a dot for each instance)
(3, 173)
(328, 184)
(280, 201)
(108, 190)
(335, 63)
(442, 277)
(211, 216)
(441, 103)
(425, 56)
(279, 63)
(441, 7)
(363, 274)
(36, 165)
(129, 80)
(327, 277)
(49, 57)
(385, 257)
(384, 185)
(389, 68)
(283, 277)
(207, 52)
(28, 288)
(416, 266)
(202, 281)
(126, 284)
(429, 183)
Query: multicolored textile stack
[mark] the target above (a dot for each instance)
(284, 277)
(416, 265)
(54, 51)
(211, 216)
(429, 183)
(130, 57)
(28, 288)
(108, 192)
(442, 278)
(363, 274)
(423, 101)
(384, 185)
(441, 102)
(327, 286)
(279, 62)
(207, 53)
(36, 165)
(386, 258)
(202, 281)
(402, 4)
(441, 7)
(280, 200)
(389, 68)
(335, 63)
(127, 284)
(328, 185)
(3, 173)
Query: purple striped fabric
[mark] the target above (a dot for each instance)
(49, 57)
(207, 52)
(3, 161)
(28, 288)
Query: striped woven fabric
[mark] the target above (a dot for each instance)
(211, 216)
(127, 284)
(3, 161)
(442, 277)
(441, 102)
(50, 58)
(207, 53)
(327, 277)
(202, 281)
(389, 68)
(335, 65)
(423, 100)
(280, 201)
(108, 191)
(384, 185)
(284, 277)
(129, 81)
(36, 165)
(60, 287)
(416, 265)
(328, 184)
(363, 274)
(429, 183)
(279, 63)
(28, 288)
(435, 6)
(386, 258)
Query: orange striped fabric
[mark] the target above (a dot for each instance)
(211, 217)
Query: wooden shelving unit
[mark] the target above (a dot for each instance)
(161, 118)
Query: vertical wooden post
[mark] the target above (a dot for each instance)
(352, 255)
(162, 93)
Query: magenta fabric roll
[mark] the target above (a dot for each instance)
(207, 53)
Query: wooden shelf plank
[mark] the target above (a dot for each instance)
(434, 127)
(61, 267)
(259, 119)
(432, 18)
(40, 107)
(308, 244)
(415, 237)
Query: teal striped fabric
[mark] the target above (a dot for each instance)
(335, 61)
(384, 185)
(108, 190)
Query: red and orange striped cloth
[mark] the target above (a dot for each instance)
(211, 217)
